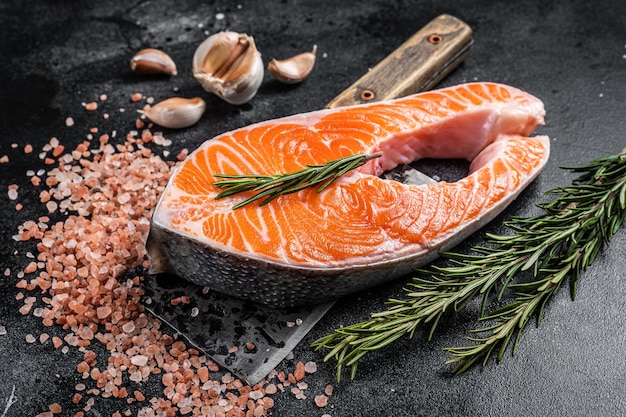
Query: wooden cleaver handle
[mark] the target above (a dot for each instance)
(417, 65)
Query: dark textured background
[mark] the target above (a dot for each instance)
(571, 54)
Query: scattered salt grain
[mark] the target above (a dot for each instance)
(3, 330)
(69, 122)
(321, 401)
(30, 338)
(55, 408)
(139, 360)
(12, 193)
(255, 395)
(128, 327)
(310, 367)
(52, 206)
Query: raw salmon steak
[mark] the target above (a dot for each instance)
(362, 230)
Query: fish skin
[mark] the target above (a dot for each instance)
(485, 123)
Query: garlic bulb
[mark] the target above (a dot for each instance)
(152, 61)
(295, 69)
(229, 65)
(176, 112)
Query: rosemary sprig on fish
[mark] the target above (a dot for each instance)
(551, 247)
(271, 187)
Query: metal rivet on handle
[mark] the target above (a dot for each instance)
(435, 38)
(367, 95)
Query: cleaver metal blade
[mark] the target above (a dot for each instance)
(250, 339)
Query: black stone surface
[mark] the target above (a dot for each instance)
(571, 54)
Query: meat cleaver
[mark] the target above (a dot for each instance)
(250, 339)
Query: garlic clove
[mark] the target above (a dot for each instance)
(176, 112)
(295, 69)
(152, 61)
(228, 65)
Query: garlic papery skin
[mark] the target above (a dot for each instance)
(176, 112)
(229, 65)
(295, 69)
(152, 61)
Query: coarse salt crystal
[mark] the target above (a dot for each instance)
(139, 360)
(52, 206)
(3, 330)
(255, 395)
(135, 376)
(124, 198)
(321, 401)
(12, 194)
(310, 367)
(128, 327)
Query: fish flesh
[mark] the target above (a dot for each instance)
(310, 247)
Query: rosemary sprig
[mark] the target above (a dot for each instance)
(272, 186)
(548, 249)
